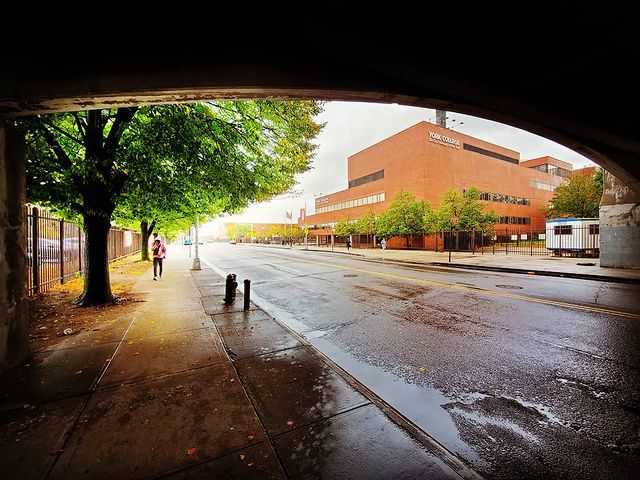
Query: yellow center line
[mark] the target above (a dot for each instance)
(574, 306)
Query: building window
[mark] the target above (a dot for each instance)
(542, 186)
(553, 170)
(558, 171)
(498, 197)
(515, 220)
(562, 230)
(378, 197)
(594, 229)
(372, 177)
(489, 153)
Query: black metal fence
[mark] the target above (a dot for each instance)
(55, 249)
(576, 240)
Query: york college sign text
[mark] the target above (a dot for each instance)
(444, 140)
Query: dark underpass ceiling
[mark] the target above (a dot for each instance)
(568, 76)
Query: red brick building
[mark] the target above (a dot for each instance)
(426, 160)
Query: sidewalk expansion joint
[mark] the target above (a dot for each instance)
(74, 425)
(270, 352)
(128, 383)
(172, 473)
(365, 403)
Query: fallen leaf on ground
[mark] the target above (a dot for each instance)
(422, 369)
(241, 456)
(250, 437)
(192, 451)
(290, 423)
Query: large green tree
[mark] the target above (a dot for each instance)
(465, 208)
(366, 224)
(404, 217)
(346, 227)
(163, 163)
(579, 197)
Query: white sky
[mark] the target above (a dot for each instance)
(351, 127)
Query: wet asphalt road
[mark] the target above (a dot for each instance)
(521, 377)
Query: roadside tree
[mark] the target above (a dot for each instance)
(579, 197)
(162, 163)
(403, 218)
(465, 208)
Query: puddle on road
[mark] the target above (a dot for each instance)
(485, 420)
(422, 405)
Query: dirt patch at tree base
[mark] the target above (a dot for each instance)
(54, 316)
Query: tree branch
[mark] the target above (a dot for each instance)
(57, 149)
(81, 126)
(63, 132)
(123, 117)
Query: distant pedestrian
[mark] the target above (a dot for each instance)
(348, 244)
(159, 254)
(383, 244)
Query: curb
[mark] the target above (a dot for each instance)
(542, 273)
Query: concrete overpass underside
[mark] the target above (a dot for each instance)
(567, 76)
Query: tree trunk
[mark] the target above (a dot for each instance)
(144, 247)
(97, 287)
(146, 230)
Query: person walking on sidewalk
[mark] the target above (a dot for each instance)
(383, 244)
(159, 254)
(348, 244)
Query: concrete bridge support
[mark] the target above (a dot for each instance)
(14, 321)
(619, 225)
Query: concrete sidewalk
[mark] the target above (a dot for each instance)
(538, 264)
(190, 388)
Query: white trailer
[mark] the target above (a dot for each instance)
(575, 236)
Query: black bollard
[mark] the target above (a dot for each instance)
(247, 293)
(230, 289)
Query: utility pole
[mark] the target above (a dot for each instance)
(196, 259)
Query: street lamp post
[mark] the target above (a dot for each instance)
(196, 259)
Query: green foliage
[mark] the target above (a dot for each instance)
(172, 162)
(366, 224)
(579, 197)
(232, 232)
(404, 217)
(346, 227)
(275, 231)
(466, 207)
(164, 165)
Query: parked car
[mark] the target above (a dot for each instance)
(187, 241)
(49, 250)
(232, 242)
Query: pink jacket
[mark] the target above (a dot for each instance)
(161, 252)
